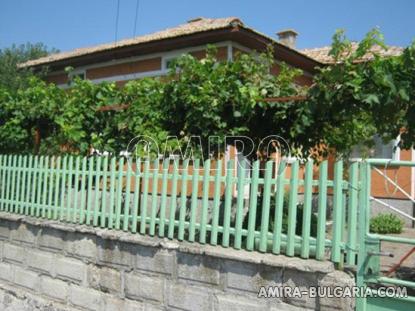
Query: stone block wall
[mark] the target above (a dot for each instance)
(46, 265)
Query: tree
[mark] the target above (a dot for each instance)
(211, 98)
(11, 77)
(30, 116)
(348, 103)
(351, 100)
(20, 105)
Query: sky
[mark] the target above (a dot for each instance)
(70, 24)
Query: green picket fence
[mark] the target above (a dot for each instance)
(261, 208)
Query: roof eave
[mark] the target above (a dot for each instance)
(139, 49)
(282, 52)
(235, 32)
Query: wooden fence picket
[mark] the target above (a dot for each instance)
(180, 201)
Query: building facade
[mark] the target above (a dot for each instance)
(149, 56)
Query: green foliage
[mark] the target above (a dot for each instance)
(25, 102)
(348, 103)
(144, 116)
(31, 108)
(352, 100)
(211, 98)
(82, 124)
(386, 223)
(298, 220)
(199, 98)
(13, 78)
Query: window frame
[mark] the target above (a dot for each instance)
(75, 73)
(396, 151)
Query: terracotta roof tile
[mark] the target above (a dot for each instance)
(191, 27)
(322, 54)
(198, 25)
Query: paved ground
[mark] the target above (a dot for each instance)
(407, 270)
(399, 250)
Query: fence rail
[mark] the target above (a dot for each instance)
(281, 210)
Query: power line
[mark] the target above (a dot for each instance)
(116, 21)
(136, 17)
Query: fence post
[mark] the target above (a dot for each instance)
(216, 204)
(70, 189)
(11, 195)
(154, 198)
(45, 186)
(253, 206)
(48, 200)
(82, 205)
(279, 206)
(292, 209)
(205, 201)
(34, 186)
(337, 212)
(352, 213)
(89, 190)
(22, 197)
(308, 181)
(228, 203)
(239, 204)
(119, 193)
(76, 189)
(30, 175)
(143, 206)
(183, 199)
(173, 202)
(126, 219)
(9, 178)
(266, 201)
(193, 205)
(97, 191)
(363, 229)
(136, 200)
(104, 193)
(3, 179)
(166, 164)
(112, 192)
(321, 211)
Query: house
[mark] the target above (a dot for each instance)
(149, 56)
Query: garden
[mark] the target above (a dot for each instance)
(347, 104)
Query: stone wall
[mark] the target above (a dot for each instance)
(46, 265)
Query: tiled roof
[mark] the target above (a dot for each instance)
(193, 26)
(322, 54)
(199, 25)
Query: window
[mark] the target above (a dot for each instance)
(168, 61)
(77, 74)
(80, 75)
(380, 150)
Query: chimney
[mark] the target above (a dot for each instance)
(287, 37)
(196, 19)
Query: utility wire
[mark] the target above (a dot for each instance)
(136, 17)
(116, 21)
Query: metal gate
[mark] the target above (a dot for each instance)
(369, 274)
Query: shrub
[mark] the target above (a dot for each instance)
(386, 223)
(299, 217)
